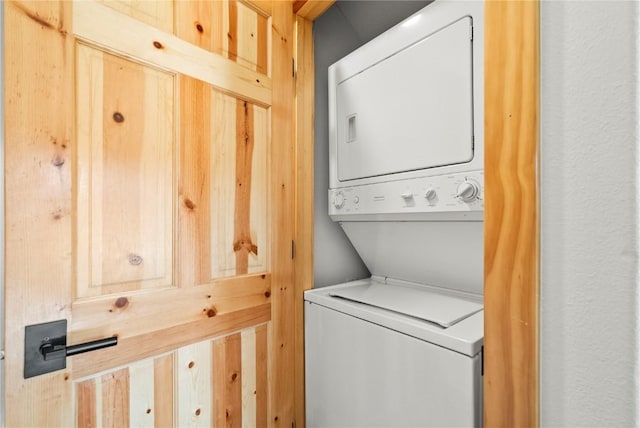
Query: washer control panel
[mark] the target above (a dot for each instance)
(460, 192)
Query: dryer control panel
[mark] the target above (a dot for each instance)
(447, 197)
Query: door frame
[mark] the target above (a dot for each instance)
(511, 226)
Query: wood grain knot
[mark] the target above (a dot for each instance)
(121, 302)
(234, 376)
(118, 117)
(57, 161)
(267, 294)
(211, 312)
(245, 244)
(157, 44)
(199, 27)
(198, 412)
(135, 260)
(148, 411)
(191, 364)
(189, 203)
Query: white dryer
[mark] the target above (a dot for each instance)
(404, 347)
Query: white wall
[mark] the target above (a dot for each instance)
(589, 203)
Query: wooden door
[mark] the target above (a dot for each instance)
(149, 174)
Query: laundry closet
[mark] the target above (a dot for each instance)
(399, 340)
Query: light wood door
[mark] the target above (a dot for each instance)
(150, 195)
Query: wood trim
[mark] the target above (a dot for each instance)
(282, 193)
(306, 11)
(158, 342)
(262, 6)
(304, 123)
(38, 149)
(311, 9)
(511, 372)
(94, 23)
(141, 313)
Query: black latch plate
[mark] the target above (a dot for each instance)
(34, 337)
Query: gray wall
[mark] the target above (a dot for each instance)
(589, 202)
(346, 26)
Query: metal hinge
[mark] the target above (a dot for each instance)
(293, 249)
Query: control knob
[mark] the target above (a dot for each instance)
(431, 194)
(338, 200)
(467, 191)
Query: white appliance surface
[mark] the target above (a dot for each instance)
(464, 337)
(365, 370)
(435, 197)
(410, 103)
(383, 131)
(414, 301)
(404, 347)
(444, 254)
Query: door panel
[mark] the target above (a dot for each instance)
(125, 146)
(140, 203)
(235, 30)
(218, 383)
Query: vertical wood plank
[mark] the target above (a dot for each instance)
(194, 23)
(194, 377)
(141, 394)
(223, 161)
(242, 244)
(282, 345)
(232, 32)
(156, 13)
(194, 263)
(163, 393)
(247, 33)
(262, 367)
(262, 63)
(248, 370)
(239, 195)
(228, 381)
(511, 376)
(220, 22)
(86, 404)
(39, 71)
(115, 399)
(304, 122)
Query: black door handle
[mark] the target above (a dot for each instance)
(52, 351)
(46, 350)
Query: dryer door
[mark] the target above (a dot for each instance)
(410, 111)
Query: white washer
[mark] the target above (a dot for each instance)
(373, 367)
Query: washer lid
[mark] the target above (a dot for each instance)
(414, 301)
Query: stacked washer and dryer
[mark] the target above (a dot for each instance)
(403, 348)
